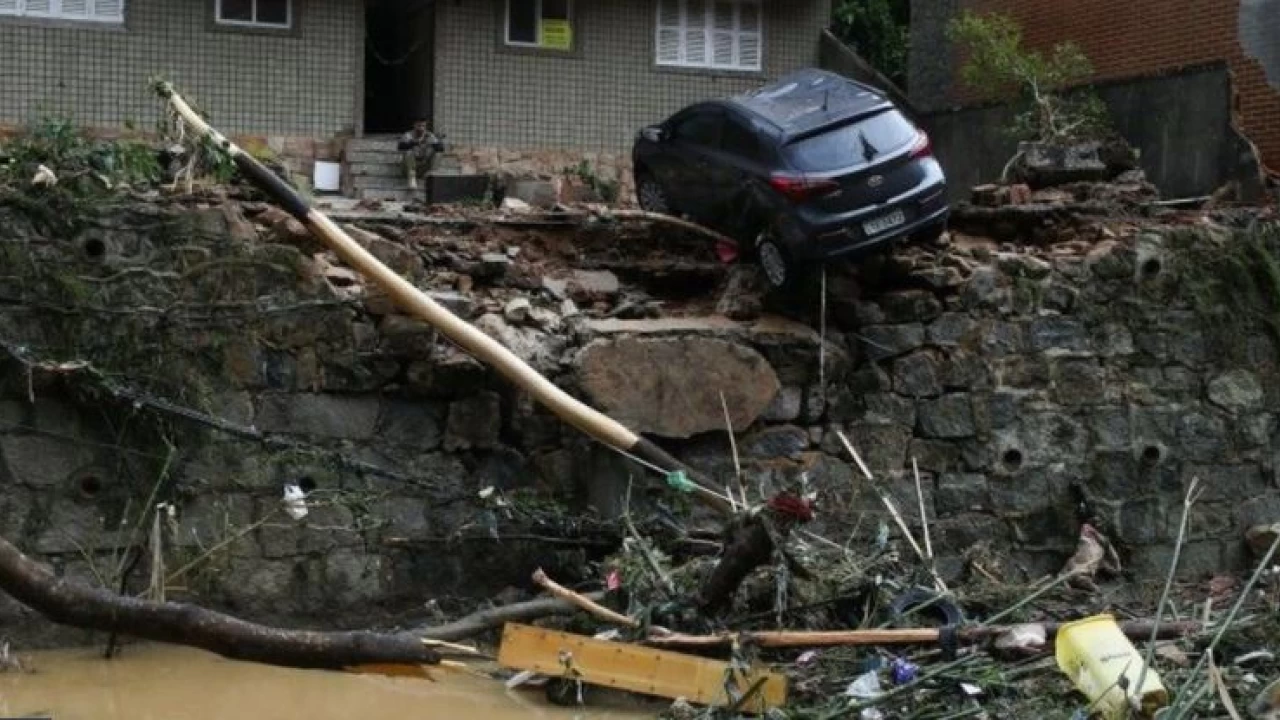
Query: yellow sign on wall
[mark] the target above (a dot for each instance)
(556, 35)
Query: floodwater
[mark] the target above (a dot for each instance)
(163, 682)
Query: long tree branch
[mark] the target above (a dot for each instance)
(72, 603)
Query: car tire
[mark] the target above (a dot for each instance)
(778, 269)
(651, 196)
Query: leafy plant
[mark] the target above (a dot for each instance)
(999, 66)
(607, 190)
(58, 144)
(878, 31)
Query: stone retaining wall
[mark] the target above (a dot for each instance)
(1033, 389)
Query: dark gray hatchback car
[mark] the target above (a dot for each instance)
(809, 168)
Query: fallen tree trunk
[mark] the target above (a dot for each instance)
(71, 603)
(494, 618)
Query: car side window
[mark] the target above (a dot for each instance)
(700, 128)
(740, 140)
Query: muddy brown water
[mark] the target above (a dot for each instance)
(160, 682)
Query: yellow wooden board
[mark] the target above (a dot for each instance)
(635, 668)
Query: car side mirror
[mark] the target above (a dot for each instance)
(654, 134)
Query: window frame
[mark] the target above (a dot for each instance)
(536, 45)
(700, 112)
(56, 15)
(709, 30)
(288, 26)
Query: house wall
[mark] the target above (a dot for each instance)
(289, 89)
(599, 96)
(1139, 37)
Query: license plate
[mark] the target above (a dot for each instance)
(884, 222)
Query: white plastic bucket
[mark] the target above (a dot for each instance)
(326, 176)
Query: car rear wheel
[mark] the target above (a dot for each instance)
(651, 196)
(773, 260)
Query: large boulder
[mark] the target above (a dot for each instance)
(671, 386)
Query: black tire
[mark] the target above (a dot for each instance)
(651, 196)
(779, 270)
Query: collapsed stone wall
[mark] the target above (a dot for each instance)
(1033, 388)
(575, 169)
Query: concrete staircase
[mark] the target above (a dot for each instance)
(373, 170)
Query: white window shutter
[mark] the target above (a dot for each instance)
(8, 7)
(39, 7)
(750, 36)
(749, 51)
(669, 46)
(108, 9)
(695, 46)
(695, 32)
(74, 8)
(669, 32)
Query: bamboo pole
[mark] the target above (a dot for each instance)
(568, 408)
(1137, 629)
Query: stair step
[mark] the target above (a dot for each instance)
(373, 156)
(373, 144)
(385, 194)
(396, 182)
(375, 170)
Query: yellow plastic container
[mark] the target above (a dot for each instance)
(1095, 654)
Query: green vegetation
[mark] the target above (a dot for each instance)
(606, 190)
(999, 67)
(84, 164)
(878, 31)
(1235, 284)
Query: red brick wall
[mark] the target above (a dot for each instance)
(1141, 37)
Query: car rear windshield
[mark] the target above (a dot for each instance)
(850, 145)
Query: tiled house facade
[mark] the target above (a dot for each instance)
(293, 82)
(503, 77)
(597, 94)
(1126, 39)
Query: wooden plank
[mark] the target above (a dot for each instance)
(634, 668)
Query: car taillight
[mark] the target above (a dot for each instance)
(923, 146)
(800, 188)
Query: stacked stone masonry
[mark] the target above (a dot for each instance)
(1022, 383)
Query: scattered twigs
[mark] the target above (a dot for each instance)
(822, 336)
(924, 517)
(1215, 676)
(893, 512)
(493, 618)
(642, 547)
(1181, 704)
(583, 602)
(1044, 589)
(733, 446)
(1192, 495)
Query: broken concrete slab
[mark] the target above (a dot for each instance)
(683, 399)
(537, 193)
